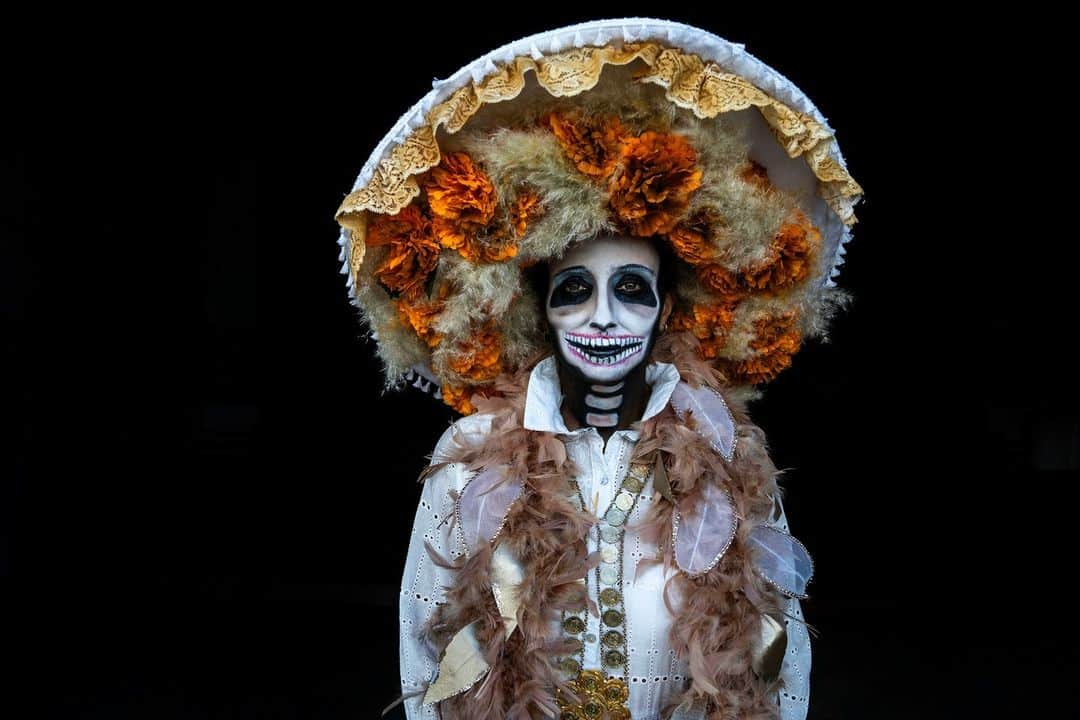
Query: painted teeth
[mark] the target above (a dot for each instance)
(619, 347)
(613, 359)
(605, 342)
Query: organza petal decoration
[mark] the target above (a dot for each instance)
(703, 535)
(507, 574)
(462, 665)
(484, 502)
(712, 418)
(767, 649)
(781, 560)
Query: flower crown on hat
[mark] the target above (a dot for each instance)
(634, 139)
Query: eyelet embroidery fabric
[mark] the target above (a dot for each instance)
(795, 695)
(656, 675)
(423, 583)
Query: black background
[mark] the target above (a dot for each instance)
(207, 500)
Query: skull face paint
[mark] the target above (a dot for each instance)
(603, 306)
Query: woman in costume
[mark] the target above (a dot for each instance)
(598, 243)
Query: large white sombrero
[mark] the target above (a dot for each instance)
(439, 300)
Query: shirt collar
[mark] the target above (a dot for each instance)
(544, 396)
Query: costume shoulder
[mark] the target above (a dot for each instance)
(465, 432)
(482, 496)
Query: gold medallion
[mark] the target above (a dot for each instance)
(600, 697)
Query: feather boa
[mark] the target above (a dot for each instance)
(716, 616)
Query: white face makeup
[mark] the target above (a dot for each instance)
(603, 304)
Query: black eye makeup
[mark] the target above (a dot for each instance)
(573, 286)
(634, 287)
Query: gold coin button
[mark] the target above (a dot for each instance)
(610, 596)
(613, 639)
(612, 618)
(615, 516)
(632, 484)
(616, 691)
(573, 625)
(570, 666)
(591, 680)
(614, 658)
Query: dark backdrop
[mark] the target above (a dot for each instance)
(207, 500)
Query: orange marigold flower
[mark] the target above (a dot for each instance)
(681, 320)
(776, 333)
(480, 358)
(487, 241)
(413, 250)
(420, 315)
(691, 239)
(708, 323)
(459, 398)
(489, 247)
(789, 256)
(722, 282)
(756, 174)
(493, 249)
(776, 340)
(475, 243)
(711, 347)
(718, 317)
(452, 234)
(688, 244)
(653, 186)
(593, 143)
(459, 190)
(525, 209)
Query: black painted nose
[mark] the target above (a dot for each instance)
(602, 328)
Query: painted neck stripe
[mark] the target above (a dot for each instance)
(602, 420)
(609, 388)
(603, 403)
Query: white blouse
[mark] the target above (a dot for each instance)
(657, 676)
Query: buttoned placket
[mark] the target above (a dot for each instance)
(601, 466)
(599, 479)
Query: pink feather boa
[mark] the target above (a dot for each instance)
(716, 616)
